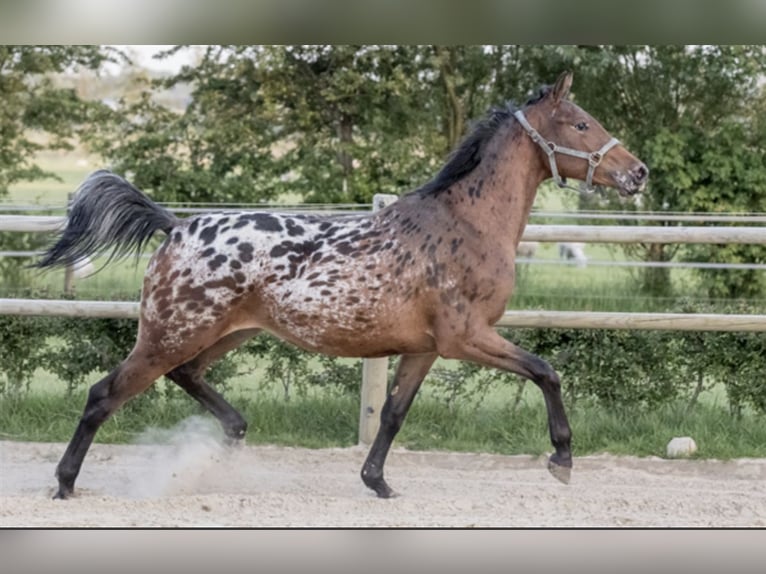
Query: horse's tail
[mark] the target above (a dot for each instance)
(107, 213)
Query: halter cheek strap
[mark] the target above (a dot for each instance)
(551, 149)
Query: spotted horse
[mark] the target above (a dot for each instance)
(426, 277)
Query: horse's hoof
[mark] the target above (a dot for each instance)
(62, 494)
(560, 472)
(385, 492)
(380, 487)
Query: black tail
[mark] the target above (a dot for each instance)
(107, 213)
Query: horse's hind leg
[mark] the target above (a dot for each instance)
(189, 377)
(410, 373)
(490, 349)
(130, 378)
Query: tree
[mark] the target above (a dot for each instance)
(216, 148)
(37, 114)
(33, 106)
(687, 112)
(326, 123)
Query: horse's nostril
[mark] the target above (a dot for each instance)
(641, 173)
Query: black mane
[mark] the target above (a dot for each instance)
(468, 154)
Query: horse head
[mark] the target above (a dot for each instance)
(576, 145)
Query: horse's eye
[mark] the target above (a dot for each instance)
(581, 127)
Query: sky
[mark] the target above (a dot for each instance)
(142, 56)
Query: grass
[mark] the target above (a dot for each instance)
(330, 420)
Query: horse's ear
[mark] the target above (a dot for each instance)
(561, 89)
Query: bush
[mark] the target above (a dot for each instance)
(635, 370)
(23, 344)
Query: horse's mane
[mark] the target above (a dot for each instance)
(468, 154)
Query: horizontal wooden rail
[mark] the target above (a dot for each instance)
(30, 223)
(644, 234)
(70, 308)
(639, 321)
(543, 233)
(548, 319)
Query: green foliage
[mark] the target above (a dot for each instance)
(296, 370)
(14, 272)
(23, 343)
(87, 346)
(328, 123)
(32, 104)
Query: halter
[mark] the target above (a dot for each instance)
(594, 158)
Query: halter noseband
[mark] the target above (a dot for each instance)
(594, 158)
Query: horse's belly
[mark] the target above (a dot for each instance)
(343, 324)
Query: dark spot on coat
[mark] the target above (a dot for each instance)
(278, 251)
(266, 222)
(234, 264)
(193, 227)
(208, 252)
(232, 240)
(227, 282)
(345, 248)
(245, 252)
(177, 237)
(208, 234)
(188, 292)
(294, 230)
(166, 314)
(217, 261)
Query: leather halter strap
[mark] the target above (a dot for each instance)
(551, 149)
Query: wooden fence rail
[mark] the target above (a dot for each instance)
(543, 233)
(542, 319)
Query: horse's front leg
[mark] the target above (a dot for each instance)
(410, 373)
(490, 349)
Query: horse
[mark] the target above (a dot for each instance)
(574, 252)
(426, 277)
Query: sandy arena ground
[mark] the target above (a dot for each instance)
(190, 480)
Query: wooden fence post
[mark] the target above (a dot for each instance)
(374, 371)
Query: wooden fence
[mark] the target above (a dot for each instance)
(374, 382)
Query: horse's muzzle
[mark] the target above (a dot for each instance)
(634, 181)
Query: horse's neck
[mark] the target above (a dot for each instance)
(497, 197)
